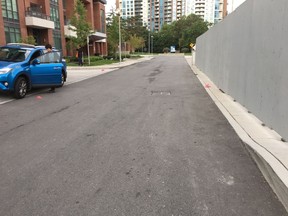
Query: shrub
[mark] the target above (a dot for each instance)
(185, 50)
(109, 57)
(28, 40)
(94, 58)
(71, 59)
(166, 50)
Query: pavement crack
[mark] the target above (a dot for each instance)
(60, 110)
(34, 120)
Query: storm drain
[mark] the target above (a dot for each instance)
(161, 93)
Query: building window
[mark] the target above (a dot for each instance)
(12, 34)
(11, 21)
(9, 9)
(64, 4)
(57, 39)
(54, 13)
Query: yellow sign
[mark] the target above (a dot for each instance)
(191, 45)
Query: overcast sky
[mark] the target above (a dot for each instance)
(110, 5)
(234, 3)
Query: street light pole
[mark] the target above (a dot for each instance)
(149, 42)
(152, 44)
(118, 11)
(120, 57)
(88, 50)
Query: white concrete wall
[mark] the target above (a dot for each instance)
(246, 55)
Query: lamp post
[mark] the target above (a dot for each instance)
(88, 50)
(125, 50)
(152, 44)
(119, 14)
(149, 42)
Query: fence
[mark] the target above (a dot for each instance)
(246, 55)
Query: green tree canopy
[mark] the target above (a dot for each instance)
(113, 32)
(134, 26)
(180, 33)
(136, 42)
(132, 32)
(80, 25)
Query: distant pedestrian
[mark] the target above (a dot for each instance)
(80, 56)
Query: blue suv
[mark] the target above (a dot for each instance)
(23, 67)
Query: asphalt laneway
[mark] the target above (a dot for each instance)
(144, 140)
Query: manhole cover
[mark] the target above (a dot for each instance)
(160, 92)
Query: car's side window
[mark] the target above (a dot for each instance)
(50, 57)
(35, 55)
(16, 55)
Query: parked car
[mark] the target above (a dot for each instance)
(23, 67)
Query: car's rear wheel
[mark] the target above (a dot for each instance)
(21, 87)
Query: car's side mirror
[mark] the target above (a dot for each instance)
(36, 61)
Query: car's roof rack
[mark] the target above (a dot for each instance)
(22, 45)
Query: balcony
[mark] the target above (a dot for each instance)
(36, 19)
(98, 36)
(69, 32)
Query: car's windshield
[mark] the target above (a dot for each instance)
(13, 54)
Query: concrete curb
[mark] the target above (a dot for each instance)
(264, 144)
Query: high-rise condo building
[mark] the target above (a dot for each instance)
(157, 12)
(211, 11)
(131, 8)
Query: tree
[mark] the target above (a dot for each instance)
(180, 33)
(164, 38)
(134, 27)
(136, 42)
(193, 27)
(113, 32)
(79, 24)
(190, 35)
(28, 40)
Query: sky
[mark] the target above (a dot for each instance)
(234, 3)
(109, 5)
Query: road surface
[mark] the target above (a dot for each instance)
(144, 140)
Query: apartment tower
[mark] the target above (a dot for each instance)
(157, 12)
(211, 11)
(132, 8)
(156, 16)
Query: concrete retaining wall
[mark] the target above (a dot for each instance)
(246, 55)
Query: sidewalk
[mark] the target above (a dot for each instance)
(77, 73)
(264, 144)
(116, 65)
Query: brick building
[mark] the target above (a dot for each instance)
(48, 20)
